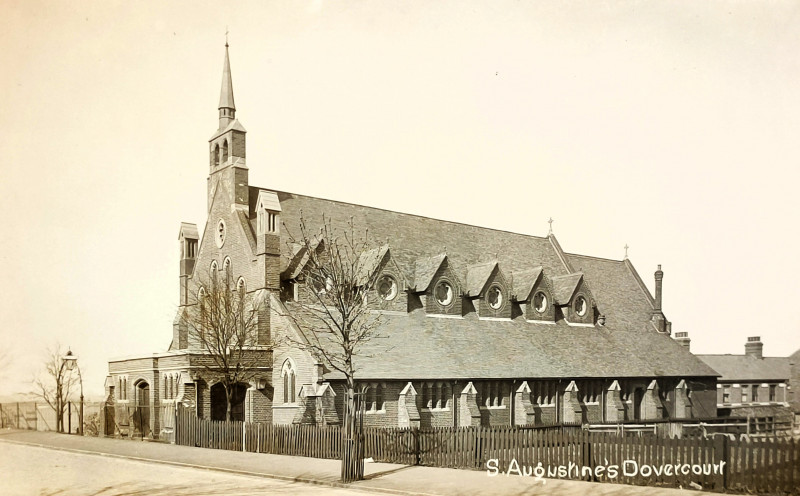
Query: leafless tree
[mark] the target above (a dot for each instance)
(223, 322)
(335, 320)
(54, 383)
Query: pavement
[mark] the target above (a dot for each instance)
(379, 477)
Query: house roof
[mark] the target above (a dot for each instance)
(424, 346)
(369, 261)
(746, 368)
(421, 346)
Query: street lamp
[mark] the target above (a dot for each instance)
(71, 362)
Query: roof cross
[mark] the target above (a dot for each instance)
(626, 251)
(226, 36)
(550, 221)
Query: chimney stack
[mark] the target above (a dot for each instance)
(659, 277)
(754, 347)
(683, 339)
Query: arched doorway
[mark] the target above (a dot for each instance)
(141, 414)
(219, 404)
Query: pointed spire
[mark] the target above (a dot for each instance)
(227, 109)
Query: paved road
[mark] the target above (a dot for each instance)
(30, 470)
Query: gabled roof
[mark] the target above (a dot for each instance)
(269, 199)
(564, 287)
(424, 270)
(523, 282)
(298, 258)
(746, 368)
(368, 263)
(478, 276)
(188, 231)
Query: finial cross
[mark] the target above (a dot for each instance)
(226, 36)
(550, 221)
(626, 250)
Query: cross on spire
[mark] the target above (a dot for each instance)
(226, 36)
(626, 251)
(550, 221)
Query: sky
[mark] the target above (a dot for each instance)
(669, 127)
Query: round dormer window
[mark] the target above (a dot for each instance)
(444, 293)
(540, 302)
(581, 306)
(219, 236)
(387, 288)
(494, 297)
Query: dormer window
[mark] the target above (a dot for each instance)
(540, 302)
(494, 297)
(444, 293)
(387, 288)
(580, 306)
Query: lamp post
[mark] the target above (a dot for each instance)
(71, 362)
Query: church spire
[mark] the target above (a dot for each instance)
(227, 109)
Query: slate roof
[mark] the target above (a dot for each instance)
(419, 346)
(477, 276)
(564, 287)
(523, 281)
(746, 368)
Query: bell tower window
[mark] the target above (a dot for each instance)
(216, 154)
(224, 151)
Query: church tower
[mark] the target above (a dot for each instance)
(227, 147)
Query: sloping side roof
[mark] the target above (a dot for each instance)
(523, 282)
(412, 237)
(368, 262)
(746, 368)
(418, 346)
(188, 230)
(424, 270)
(477, 275)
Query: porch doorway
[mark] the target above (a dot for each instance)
(219, 404)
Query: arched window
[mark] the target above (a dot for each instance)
(224, 151)
(216, 154)
(288, 374)
(379, 397)
(241, 287)
(226, 267)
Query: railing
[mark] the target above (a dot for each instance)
(714, 463)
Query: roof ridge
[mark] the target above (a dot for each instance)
(560, 252)
(593, 257)
(406, 213)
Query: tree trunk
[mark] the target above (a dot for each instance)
(352, 442)
(228, 392)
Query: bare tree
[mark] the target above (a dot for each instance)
(335, 320)
(54, 383)
(224, 324)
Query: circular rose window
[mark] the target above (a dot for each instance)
(580, 306)
(387, 288)
(494, 297)
(540, 302)
(444, 293)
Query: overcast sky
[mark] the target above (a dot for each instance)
(671, 127)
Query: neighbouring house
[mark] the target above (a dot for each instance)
(481, 326)
(752, 385)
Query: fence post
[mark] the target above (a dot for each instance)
(18, 415)
(69, 420)
(2, 418)
(720, 457)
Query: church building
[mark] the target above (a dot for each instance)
(481, 326)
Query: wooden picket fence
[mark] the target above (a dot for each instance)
(718, 463)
